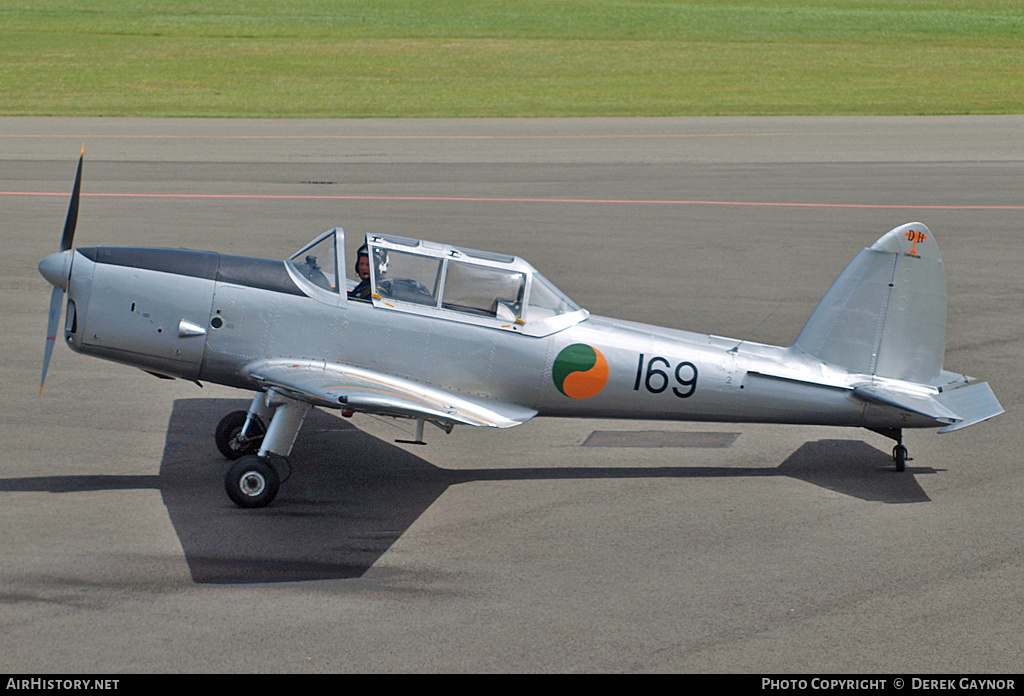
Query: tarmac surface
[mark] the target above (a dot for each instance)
(560, 545)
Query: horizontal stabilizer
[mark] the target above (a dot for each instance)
(957, 408)
(973, 403)
(915, 403)
(344, 386)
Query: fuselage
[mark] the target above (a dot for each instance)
(445, 334)
(205, 316)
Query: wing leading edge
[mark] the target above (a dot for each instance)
(335, 385)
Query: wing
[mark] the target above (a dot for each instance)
(354, 388)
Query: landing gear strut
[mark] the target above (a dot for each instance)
(899, 453)
(253, 481)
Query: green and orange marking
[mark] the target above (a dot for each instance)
(580, 371)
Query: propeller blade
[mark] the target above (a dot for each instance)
(57, 294)
(72, 220)
(56, 300)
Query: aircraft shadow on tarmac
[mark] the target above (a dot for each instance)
(351, 496)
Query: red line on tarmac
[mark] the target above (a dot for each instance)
(488, 199)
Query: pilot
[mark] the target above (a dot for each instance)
(362, 291)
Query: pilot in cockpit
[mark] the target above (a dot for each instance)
(362, 290)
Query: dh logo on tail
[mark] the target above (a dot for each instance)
(915, 236)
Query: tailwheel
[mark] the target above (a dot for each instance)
(899, 455)
(252, 482)
(899, 452)
(234, 439)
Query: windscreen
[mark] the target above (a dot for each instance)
(318, 263)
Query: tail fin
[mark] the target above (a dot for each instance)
(886, 313)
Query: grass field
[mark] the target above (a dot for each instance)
(479, 58)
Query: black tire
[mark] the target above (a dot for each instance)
(252, 482)
(227, 433)
(899, 455)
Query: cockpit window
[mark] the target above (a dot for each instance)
(546, 300)
(318, 264)
(483, 290)
(472, 287)
(406, 277)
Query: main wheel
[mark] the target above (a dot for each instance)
(229, 435)
(899, 455)
(252, 482)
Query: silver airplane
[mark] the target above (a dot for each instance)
(446, 335)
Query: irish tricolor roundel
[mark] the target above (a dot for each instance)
(580, 371)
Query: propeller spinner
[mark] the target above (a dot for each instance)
(56, 268)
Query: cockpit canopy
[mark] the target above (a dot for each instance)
(444, 281)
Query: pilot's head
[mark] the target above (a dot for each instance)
(363, 268)
(363, 265)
